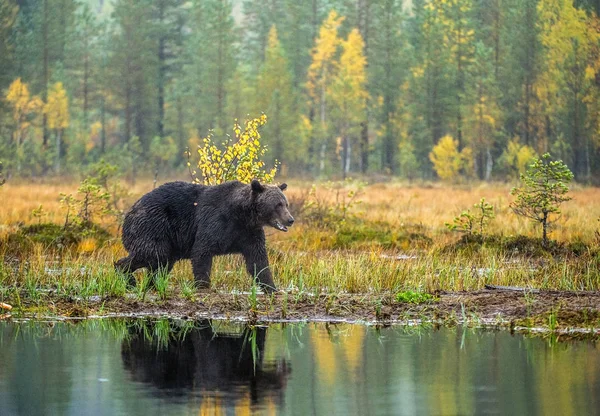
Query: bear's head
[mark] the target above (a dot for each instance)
(271, 205)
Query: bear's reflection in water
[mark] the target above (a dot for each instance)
(205, 361)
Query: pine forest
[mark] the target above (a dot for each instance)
(454, 90)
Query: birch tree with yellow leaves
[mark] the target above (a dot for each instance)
(320, 73)
(448, 161)
(348, 94)
(57, 113)
(565, 87)
(24, 109)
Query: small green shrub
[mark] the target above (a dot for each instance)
(414, 297)
(332, 204)
(467, 221)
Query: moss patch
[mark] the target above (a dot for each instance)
(526, 246)
(54, 236)
(356, 234)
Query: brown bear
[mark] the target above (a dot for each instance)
(181, 220)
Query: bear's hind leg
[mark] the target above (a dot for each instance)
(128, 265)
(156, 267)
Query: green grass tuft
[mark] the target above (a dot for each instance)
(414, 297)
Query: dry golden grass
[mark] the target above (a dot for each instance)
(429, 207)
(21, 198)
(399, 205)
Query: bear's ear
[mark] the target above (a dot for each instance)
(256, 186)
(283, 186)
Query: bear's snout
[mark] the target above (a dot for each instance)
(290, 221)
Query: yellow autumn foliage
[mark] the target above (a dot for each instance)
(448, 161)
(516, 157)
(323, 54)
(22, 103)
(239, 157)
(347, 89)
(57, 107)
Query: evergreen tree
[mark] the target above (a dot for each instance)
(387, 63)
(544, 188)
(429, 93)
(8, 17)
(134, 69)
(274, 97)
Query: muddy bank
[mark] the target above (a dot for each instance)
(555, 311)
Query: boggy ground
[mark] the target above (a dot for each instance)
(570, 314)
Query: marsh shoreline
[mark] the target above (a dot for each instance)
(572, 314)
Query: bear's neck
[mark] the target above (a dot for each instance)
(243, 209)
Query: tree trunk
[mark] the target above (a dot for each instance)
(364, 146)
(180, 129)
(86, 77)
(220, 69)
(363, 27)
(323, 146)
(489, 164)
(278, 141)
(18, 140)
(103, 122)
(545, 229)
(161, 75)
(127, 110)
(58, 150)
(45, 69)
(348, 157)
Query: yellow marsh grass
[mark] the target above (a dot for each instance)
(299, 261)
(431, 206)
(394, 203)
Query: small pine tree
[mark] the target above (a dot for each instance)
(467, 221)
(543, 190)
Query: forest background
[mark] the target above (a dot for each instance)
(421, 89)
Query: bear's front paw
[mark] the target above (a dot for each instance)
(267, 288)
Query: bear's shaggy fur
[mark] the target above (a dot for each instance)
(181, 220)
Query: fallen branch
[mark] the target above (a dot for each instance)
(512, 288)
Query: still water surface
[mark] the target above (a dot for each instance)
(144, 367)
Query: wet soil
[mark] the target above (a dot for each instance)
(557, 311)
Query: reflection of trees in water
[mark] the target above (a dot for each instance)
(225, 369)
